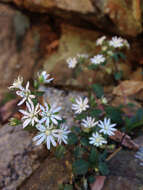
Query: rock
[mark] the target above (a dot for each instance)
(137, 75)
(122, 183)
(15, 47)
(128, 88)
(74, 40)
(19, 47)
(109, 15)
(25, 166)
(125, 171)
(118, 166)
(119, 10)
(63, 99)
(19, 156)
(50, 175)
(120, 100)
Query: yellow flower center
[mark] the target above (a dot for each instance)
(48, 132)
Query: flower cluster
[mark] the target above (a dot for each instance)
(98, 59)
(44, 118)
(109, 52)
(102, 128)
(115, 42)
(73, 62)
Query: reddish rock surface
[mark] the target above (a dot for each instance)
(20, 44)
(123, 17)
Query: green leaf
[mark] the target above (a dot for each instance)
(98, 89)
(76, 129)
(95, 113)
(103, 156)
(35, 101)
(36, 84)
(115, 114)
(68, 187)
(61, 187)
(84, 141)
(60, 151)
(122, 55)
(135, 121)
(91, 67)
(81, 116)
(39, 93)
(103, 168)
(72, 139)
(78, 152)
(14, 121)
(115, 57)
(118, 75)
(80, 167)
(91, 179)
(93, 156)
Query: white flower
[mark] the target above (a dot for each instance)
(50, 113)
(30, 116)
(97, 59)
(100, 40)
(72, 62)
(62, 134)
(17, 83)
(89, 122)
(107, 127)
(104, 48)
(43, 77)
(81, 105)
(104, 100)
(110, 53)
(97, 140)
(82, 55)
(116, 42)
(126, 43)
(46, 135)
(25, 94)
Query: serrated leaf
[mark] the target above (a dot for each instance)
(80, 167)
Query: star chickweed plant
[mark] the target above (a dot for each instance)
(90, 140)
(108, 58)
(96, 121)
(42, 117)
